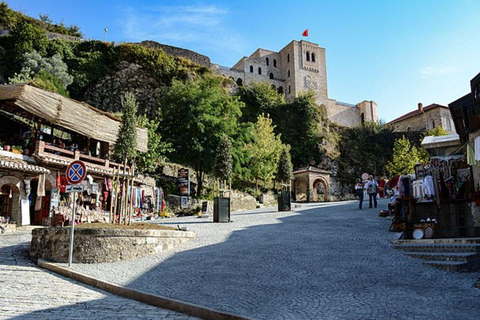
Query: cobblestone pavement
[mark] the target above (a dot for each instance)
(328, 262)
(28, 292)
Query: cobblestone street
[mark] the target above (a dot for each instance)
(331, 261)
(28, 292)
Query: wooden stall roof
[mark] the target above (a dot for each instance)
(66, 113)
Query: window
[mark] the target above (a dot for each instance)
(273, 87)
(363, 118)
(433, 124)
(449, 125)
(289, 89)
(313, 57)
(271, 75)
(268, 62)
(308, 56)
(275, 63)
(259, 70)
(240, 82)
(288, 57)
(409, 129)
(251, 69)
(280, 89)
(289, 73)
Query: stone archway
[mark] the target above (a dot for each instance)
(15, 196)
(310, 182)
(320, 190)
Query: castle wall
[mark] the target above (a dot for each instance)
(426, 121)
(180, 52)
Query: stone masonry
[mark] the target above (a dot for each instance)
(425, 118)
(300, 66)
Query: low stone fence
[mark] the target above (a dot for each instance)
(103, 245)
(238, 202)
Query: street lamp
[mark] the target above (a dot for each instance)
(105, 35)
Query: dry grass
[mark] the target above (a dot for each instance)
(138, 226)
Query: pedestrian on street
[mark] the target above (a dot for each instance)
(359, 190)
(372, 187)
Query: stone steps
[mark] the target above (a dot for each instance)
(446, 254)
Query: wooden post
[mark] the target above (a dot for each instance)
(131, 193)
(111, 199)
(117, 196)
(127, 193)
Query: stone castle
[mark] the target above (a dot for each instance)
(299, 66)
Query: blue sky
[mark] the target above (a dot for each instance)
(396, 52)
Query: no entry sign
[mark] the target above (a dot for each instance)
(76, 172)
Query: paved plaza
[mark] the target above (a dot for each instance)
(28, 292)
(331, 261)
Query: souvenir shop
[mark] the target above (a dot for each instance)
(436, 201)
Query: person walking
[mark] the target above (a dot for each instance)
(372, 187)
(359, 190)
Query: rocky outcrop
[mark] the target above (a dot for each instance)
(126, 77)
(103, 245)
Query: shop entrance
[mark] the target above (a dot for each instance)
(39, 206)
(6, 197)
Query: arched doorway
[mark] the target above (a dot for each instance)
(10, 198)
(320, 190)
(301, 190)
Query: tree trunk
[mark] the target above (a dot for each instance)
(200, 182)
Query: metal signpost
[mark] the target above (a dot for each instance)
(76, 172)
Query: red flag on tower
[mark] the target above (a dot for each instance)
(305, 33)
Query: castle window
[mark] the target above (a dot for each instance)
(240, 82)
(449, 125)
(409, 129)
(251, 69)
(308, 56)
(362, 118)
(433, 124)
(271, 75)
(268, 62)
(275, 63)
(288, 73)
(288, 57)
(259, 70)
(289, 89)
(280, 89)
(273, 87)
(313, 57)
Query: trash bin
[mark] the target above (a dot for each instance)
(221, 209)
(284, 203)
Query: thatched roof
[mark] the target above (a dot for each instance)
(79, 117)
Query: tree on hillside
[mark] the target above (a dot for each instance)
(259, 98)
(264, 150)
(405, 157)
(195, 115)
(149, 161)
(223, 159)
(300, 124)
(126, 145)
(284, 168)
(28, 37)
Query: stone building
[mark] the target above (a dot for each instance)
(299, 66)
(425, 118)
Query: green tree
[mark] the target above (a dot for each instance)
(264, 150)
(405, 157)
(259, 98)
(223, 158)
(301, 125)
(149, 161)
(126, 145)
(284, 169)
(195, 115)
(28, 37)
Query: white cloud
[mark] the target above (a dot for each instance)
(197, 27)
(429, 71)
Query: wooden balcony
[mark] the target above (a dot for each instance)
(62, 156)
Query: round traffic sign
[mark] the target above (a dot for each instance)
(76, 172)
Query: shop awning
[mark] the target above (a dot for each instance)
(450, 140)
(16, 162)
(79, 117)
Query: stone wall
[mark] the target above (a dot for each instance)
(179, 52)
(427, 120)
(103, 245)
(126, 77)
(239, 201)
